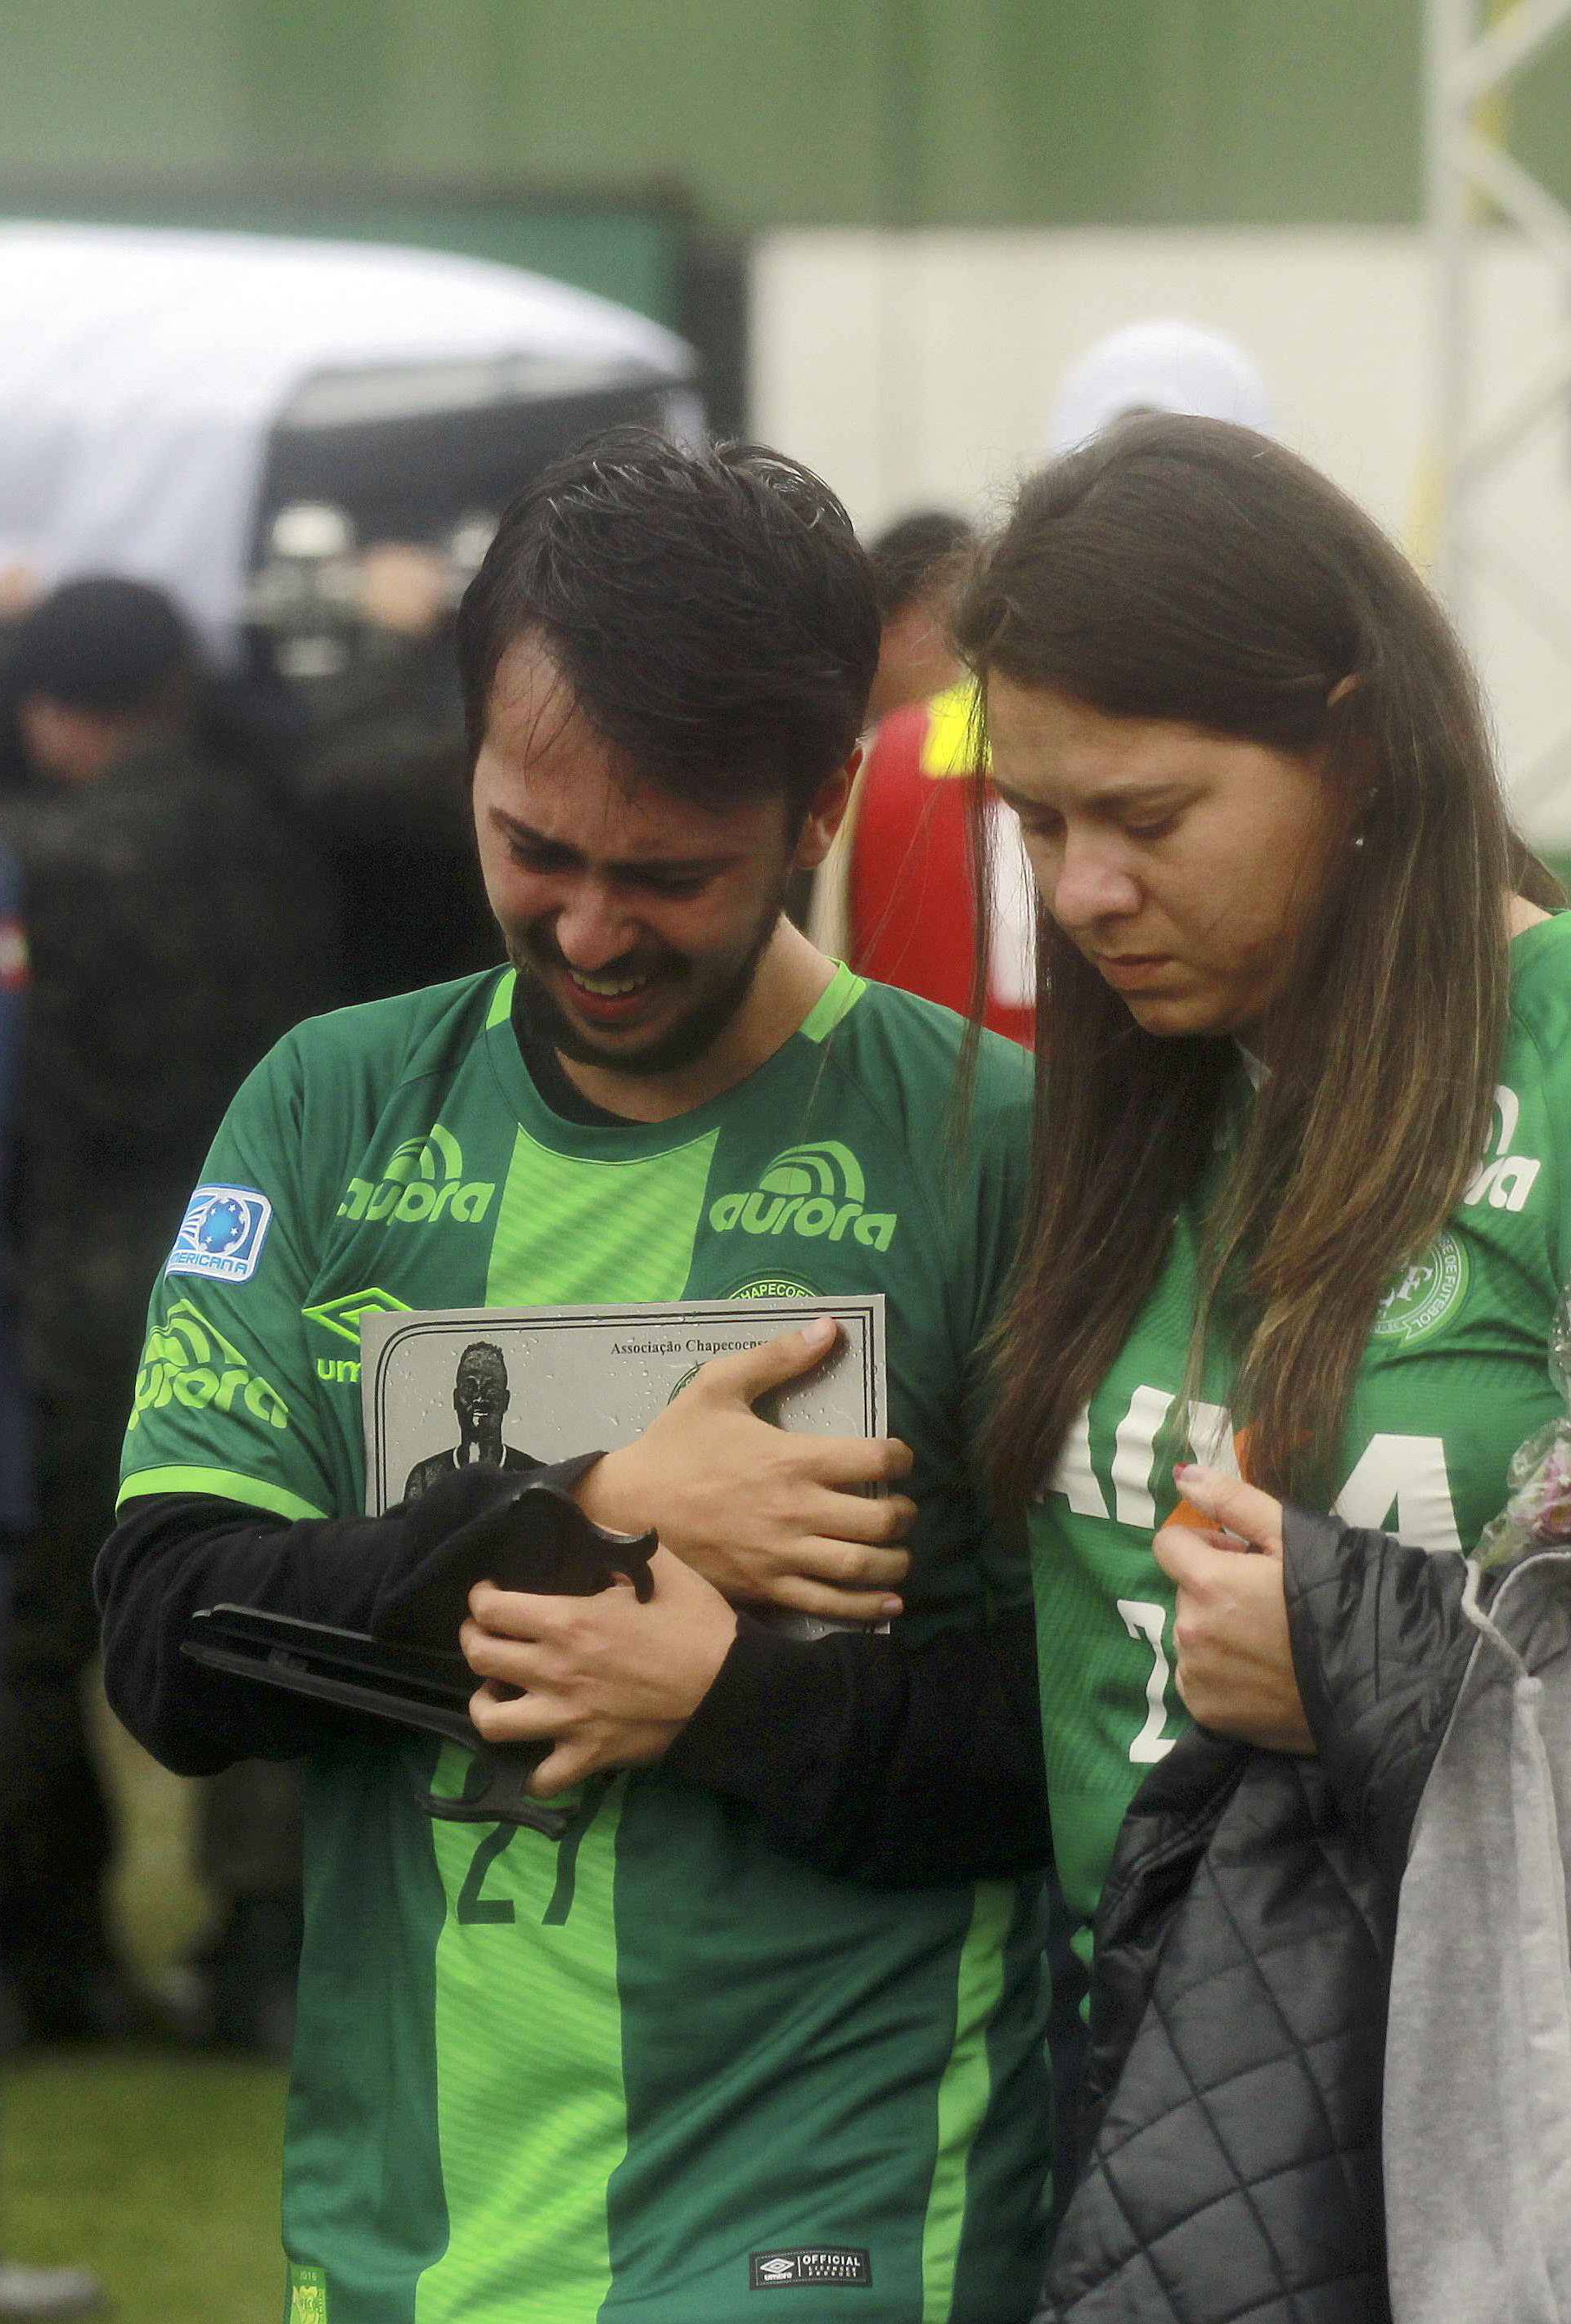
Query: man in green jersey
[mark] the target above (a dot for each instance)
(658, 2069)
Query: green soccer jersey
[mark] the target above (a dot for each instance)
(658, 2070)
(1454, 1377)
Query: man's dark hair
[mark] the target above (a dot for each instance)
(921, 552)
(711, 610)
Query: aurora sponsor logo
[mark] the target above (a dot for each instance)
(423, 1179)
(187, 1361)
(809, 1190)
(1507, 1179)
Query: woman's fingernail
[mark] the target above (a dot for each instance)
(892, 1607)
(1186, 1472)
(820, 1331)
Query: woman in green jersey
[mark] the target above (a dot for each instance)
(1304, 1090)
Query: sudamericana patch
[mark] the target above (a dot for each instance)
(221, 1234)
(815, 2266)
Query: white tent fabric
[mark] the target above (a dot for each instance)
(141, 372)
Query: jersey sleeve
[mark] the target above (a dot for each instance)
(225, 1401)
(894, 1768)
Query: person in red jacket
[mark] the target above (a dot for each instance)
(909, 898)
(896, 897)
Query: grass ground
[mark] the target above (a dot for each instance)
(158, 2172)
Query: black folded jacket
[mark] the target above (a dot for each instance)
(409, 1672)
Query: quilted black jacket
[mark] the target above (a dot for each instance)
(1233, 2099)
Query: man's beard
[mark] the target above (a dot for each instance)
(682, 1043)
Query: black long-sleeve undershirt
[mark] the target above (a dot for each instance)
(173, 1554)
(891, 1766)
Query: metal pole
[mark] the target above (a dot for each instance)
(1448, 28)
(1469, 166)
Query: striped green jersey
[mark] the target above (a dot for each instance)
(657, 2071)
(1454, 1377)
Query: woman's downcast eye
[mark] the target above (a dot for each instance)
(1040, 823)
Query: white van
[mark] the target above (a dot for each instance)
(165, 395)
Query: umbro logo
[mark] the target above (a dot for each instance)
(344, 1316)
(814, 2265)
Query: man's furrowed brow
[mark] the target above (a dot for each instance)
(526, 835)
(680, 867)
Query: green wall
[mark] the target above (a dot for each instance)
(807, 111)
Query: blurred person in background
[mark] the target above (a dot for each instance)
(896, 897)
(177, 924)
(20, 591)
(384, 783)
(1162, 365)
(25, 2291)
(918, 566)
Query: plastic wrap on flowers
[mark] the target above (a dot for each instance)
(1538, 1516)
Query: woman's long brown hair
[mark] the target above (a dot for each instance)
(1187, 570)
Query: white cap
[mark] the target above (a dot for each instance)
(1168, 366)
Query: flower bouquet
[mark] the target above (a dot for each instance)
(1537, 1515)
